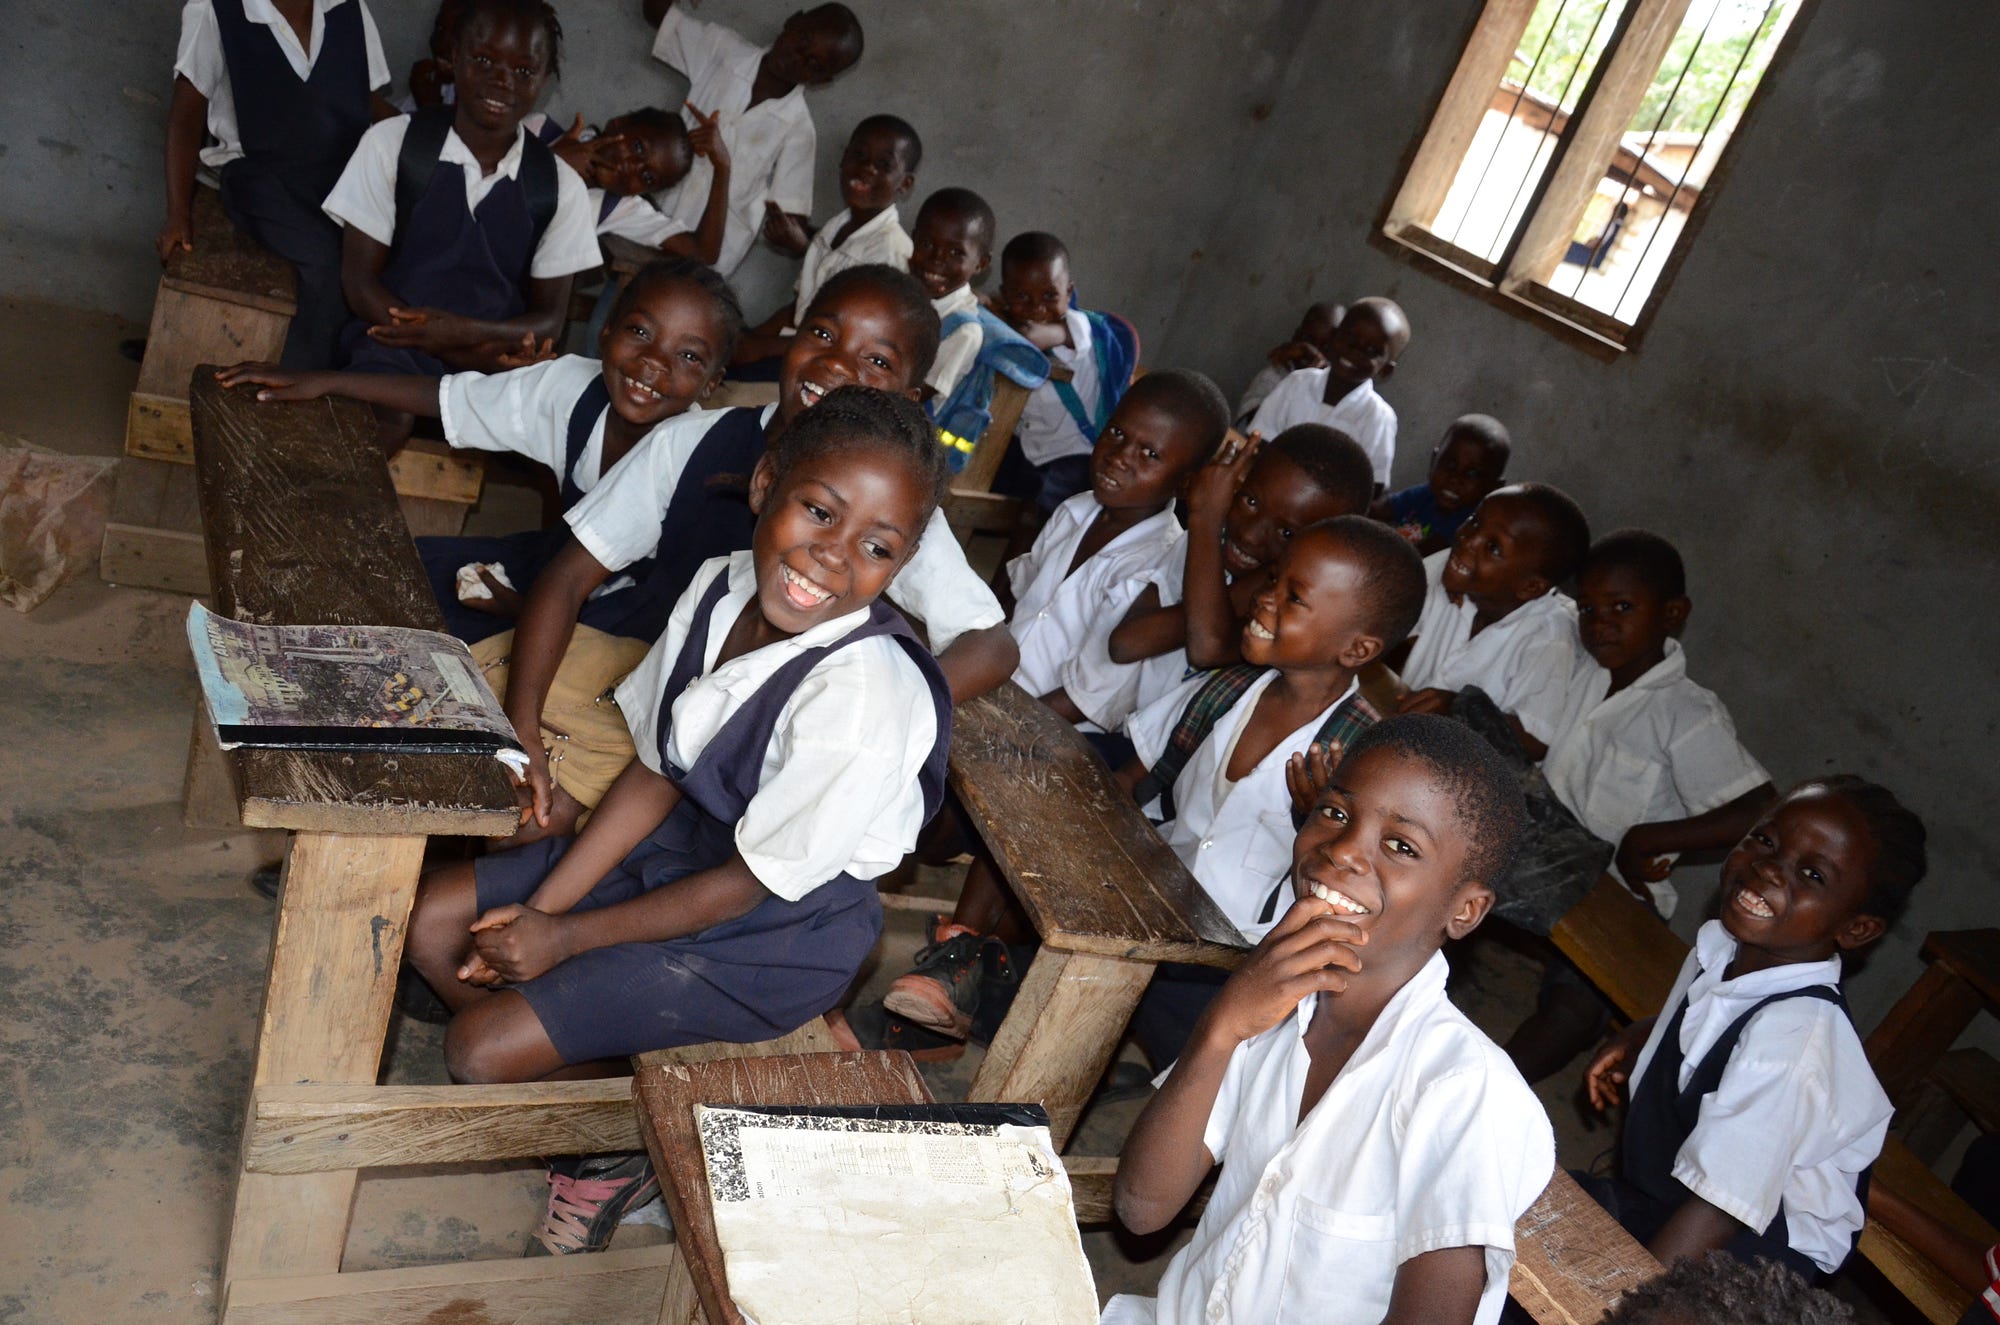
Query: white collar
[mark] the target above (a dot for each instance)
(1715, 949)
(1418, 992)
(266, 12)
(743, 582)
(875, 224)
(958, 300)
(458, 153)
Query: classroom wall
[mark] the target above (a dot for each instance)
(1810, 417)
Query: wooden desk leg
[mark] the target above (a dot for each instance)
(681, 1306)
(1061, 1033)
(1923, 1024)
(339, 939)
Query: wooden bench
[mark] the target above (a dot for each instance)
(1634, 959)
(971, 506)
(1108, 899)
(1572, 1260)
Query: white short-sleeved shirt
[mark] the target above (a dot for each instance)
(881, 238)
(1048, 431)
(837, 791)
(1798, 1113)
(199, 59)
(1524, 661)
(526, 411)
(1362, 414)
(958, 351)
(1427, 1139)
(1662, 748)
(365, 196)
(1257, 393)
(619, 523)
(771, 145)
(1056, 611)
(1234, 837)
(632, 217)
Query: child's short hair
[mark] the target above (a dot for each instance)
(686, 271)
(845, 29)
(1566, 533)
(1653, 559)
(1033, 246)
(902, 289)
(1901, 859)
(652, 120)
(1467, 768)
(1393, 583)
(539, 12)
(901, 130)
(1490, 433)
(862, 417)
(967, 206)
(1388, 315)
(1190, 396)
(1333, 460)
(1718, 1289)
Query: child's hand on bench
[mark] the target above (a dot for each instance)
(279, 383)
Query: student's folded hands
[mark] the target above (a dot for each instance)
(512, 944)
(1311, 950)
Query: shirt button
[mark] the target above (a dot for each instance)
(1216, 1311)
(1207, 842)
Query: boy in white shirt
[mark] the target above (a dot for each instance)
(1376, 1148)
(1754, 1115)
(756, 97)
(951, 246)
(1372, 336)
(1494, 617)
(878, 169)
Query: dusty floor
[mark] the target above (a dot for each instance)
(132, 954)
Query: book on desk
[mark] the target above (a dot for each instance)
(377, 688)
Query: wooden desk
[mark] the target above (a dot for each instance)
(1961, 979)
(1107, 897)
(1572, 1260)
(302, 527)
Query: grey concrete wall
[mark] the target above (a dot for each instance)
(1810, 418)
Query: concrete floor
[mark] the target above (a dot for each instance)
(132, 955)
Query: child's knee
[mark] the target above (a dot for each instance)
(474, 1058)
(447, 904)
(499, 1039)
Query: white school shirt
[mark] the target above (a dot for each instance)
(1234, 837)
(881, 238)
(1055, 611)
(1362, 414)
(1258, 392)
(1798, 1113)
(1048, 431)
(526, 411)
(958, 351)
(632, 217)
(771, 145)
(199, 59)
(1523, 661)
(618, 522)
(838, 788)
(1662, 748)
(365, 196)
(1427, 1139)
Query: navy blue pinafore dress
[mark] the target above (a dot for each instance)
(1658, 1122)
(758, 976)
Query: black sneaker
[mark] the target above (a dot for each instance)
(941, 992)
(587, 1200)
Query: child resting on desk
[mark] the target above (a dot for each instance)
(1467, 464)
(678, 503)
(794, 743)
(663, 349)
(1754, 1116)
(1376, 1148)
(1372, 335)
(462, 230)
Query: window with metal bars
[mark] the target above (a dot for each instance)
(1576, 141)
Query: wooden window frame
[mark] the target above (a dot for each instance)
(1583, 154)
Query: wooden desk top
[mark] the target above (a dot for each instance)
(667, 1093)
(303, 528)
(226, 264)
(1094, 875)
(1572, 1260)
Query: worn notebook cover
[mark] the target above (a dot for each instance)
(344, 688)
(924, 1214)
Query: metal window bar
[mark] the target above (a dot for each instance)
(1501, 139)
(1501, 241)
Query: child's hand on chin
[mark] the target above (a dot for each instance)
(1310, 951)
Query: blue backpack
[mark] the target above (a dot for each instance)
(962, 417)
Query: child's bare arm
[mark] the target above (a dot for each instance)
(1165, 1158)
(411, 393)
(1062, 705)
(1691, 1231)
(362, 260)
(766, 340)
(638, 801)
(978, 661)
(477, 343)
(1959, 1256)
(1438, 1288)
(1148, 629)
(1719, 828)
(705, 243)
(187, 116)
(547, 623)
(1214, 630)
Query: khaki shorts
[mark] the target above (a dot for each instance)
(583, 729)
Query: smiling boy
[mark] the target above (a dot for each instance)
(1371, 337)
(1466, 465)
(951, 246)
(1376, 1148)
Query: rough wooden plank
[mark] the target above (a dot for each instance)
(1974, 954)
(667, 1095)
(156, 427)
(210, 797)
(610, 1288)
(1060, 1033)
(1571, 1258)
(1924, 1023)
(428, 468)
(1090, 1179)
(815, 1037)
(303, 528)
(228, 264)
(145, 558)
(1622, 947)
(1927, 1288)
(339, 939)
(1090, 870)
(1972, 1078)
(1460, 112)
